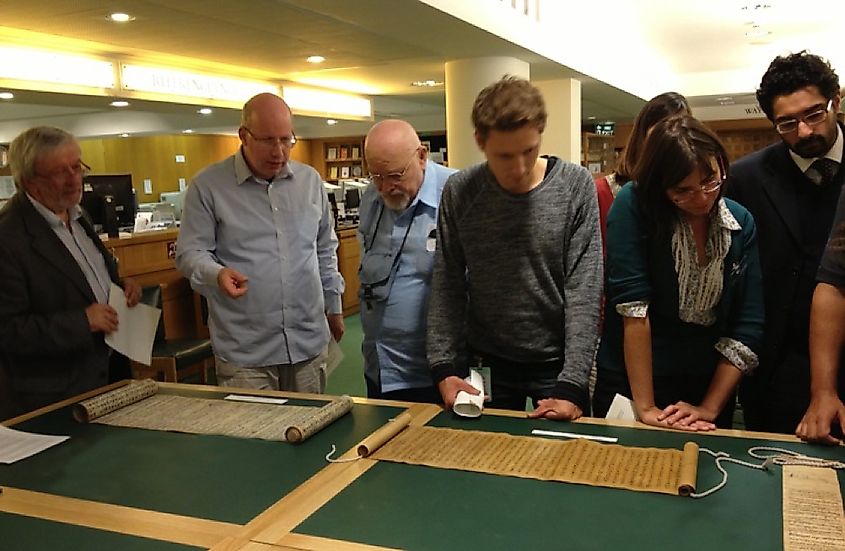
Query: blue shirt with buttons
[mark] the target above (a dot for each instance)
(395, 328)
(278, 233)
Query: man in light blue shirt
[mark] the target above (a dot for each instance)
(257, 239)
(397, 231)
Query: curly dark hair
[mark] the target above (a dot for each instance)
(786, 74)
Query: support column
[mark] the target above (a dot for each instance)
(464, 79)
(562, 137)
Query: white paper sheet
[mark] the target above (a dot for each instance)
(622, 409)
(539, 432)
(16, 445)
(136, 330)
(335, 356)
(255, 399)
(469, 405)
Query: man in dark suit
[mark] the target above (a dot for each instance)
(791, 189)
(56, 277)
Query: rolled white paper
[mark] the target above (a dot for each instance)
(469, 405)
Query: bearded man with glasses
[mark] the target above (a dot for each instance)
(397, 232)
(791, 188)
(257, 240)
(57, 276)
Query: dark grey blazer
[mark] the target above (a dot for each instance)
(791, 241)
(47, 347)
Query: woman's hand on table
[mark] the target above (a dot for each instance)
(681, 416)
(684, 416)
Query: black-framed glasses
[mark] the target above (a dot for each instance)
(394, 177)
(680, 196)
(79, 169)
(272, 143)
(813, 118)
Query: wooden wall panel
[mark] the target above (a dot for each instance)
(740, 137)
(739, 143)
(154, 158)
(302, 152)
(94, 155)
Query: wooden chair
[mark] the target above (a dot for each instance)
(174, 358)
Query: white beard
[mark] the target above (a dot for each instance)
(398, 202)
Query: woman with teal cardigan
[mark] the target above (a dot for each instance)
(684, 309)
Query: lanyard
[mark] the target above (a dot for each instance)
(405, 238)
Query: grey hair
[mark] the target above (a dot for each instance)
(32, 145)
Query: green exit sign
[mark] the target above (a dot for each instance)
(605, 128)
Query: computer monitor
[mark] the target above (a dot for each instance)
(109, 201)
(175, 198)
(334, 191)
(352, 199)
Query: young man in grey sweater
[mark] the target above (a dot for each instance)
(518, 267)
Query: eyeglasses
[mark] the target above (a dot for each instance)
(394, 177)
(810, 119)
(77, 170)
(688, 194)
(272, 143)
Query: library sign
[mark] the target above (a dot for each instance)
(178, 83)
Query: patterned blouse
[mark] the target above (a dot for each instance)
(700, 287)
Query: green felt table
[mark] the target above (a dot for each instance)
(420, 508)
(20, 532)
(230, 480)
(266, 496)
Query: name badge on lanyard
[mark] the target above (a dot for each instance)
(431, 240)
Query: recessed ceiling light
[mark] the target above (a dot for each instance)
(124, 135)
(426, 83)
(315, 59)
(331, 122)
(6, 95)
(120, 17)
(119, 103)
(205, 111)
(591, 118)
(187, 131)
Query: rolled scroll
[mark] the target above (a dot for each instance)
(88, 410)
(384, 434)
(305, 428)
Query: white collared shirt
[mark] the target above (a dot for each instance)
(81, 247)
(834, 154)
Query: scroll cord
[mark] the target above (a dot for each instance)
(349, 460)
(779, 456)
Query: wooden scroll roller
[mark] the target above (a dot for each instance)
(323, 417)
(135, 391)
(689, 469)
(384, 434)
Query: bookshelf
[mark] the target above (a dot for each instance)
(597, 153)
(341, 159)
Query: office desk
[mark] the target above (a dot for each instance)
(115, 488)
